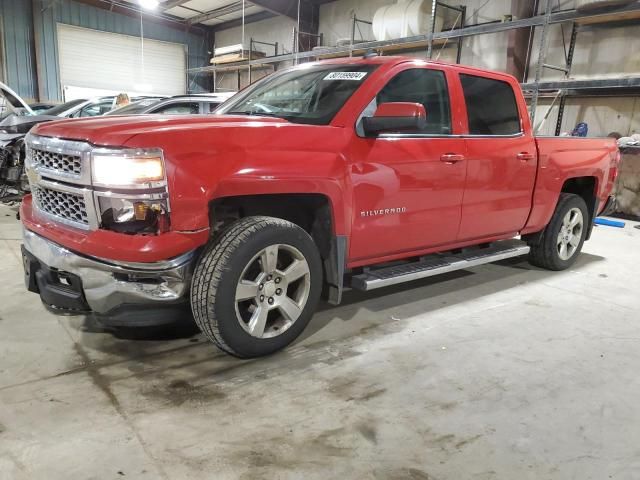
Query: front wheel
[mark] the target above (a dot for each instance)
(563, 237)
(255, 289)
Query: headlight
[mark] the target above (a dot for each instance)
(132, 192)
(134, 214)
(128, 168)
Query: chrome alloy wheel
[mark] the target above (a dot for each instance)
(570, 233)
(272, 291)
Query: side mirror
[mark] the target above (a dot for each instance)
(395, 117)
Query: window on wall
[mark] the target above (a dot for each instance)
(491, 106)
(425, 86)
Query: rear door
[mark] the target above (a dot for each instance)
(408, 186)
(501, 159)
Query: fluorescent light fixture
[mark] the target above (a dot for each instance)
(149, 4)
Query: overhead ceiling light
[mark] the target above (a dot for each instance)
(149, 4)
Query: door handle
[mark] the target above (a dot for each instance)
(451, 158)
(525, 156)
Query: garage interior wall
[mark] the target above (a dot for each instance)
(18, 55)
(120, 68)
(599, 50)
(276, 29)
(19, 18)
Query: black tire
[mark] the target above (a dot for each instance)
(545, 253)
(219, 269)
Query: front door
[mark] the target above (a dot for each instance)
(408, 186)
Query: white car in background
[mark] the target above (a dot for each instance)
(81, 107)
(194, 104)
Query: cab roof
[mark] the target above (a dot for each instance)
(397, 59)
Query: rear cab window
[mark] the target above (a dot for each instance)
(491, 106)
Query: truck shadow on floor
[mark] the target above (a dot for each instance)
(466, 284)
(359, 312)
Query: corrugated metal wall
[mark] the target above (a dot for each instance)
(19, 57)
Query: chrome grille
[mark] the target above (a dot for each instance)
(63, 205)
(57, 162)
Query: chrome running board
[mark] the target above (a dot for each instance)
(437, 264)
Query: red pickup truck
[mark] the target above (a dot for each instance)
(355, 173)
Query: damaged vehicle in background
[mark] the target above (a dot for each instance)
(16, 119)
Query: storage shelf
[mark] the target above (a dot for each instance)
(593, 16)
(233, 67)
(610, 18)
(393, 48)
(605, 85)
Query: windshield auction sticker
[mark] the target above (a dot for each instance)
(357, 76)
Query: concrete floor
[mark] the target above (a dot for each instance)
(502, 372)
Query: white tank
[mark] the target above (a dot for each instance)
(404, 19)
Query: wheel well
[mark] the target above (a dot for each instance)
(311, 212)
(584, 187)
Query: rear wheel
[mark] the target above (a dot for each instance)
(562, 239)
(255, 289)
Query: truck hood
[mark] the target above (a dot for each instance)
(116, 130)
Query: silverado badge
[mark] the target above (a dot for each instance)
(382, 211)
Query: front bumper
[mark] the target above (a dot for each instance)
(119, 293)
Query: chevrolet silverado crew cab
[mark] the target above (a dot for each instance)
(356, 173)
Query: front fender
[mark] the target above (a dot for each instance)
(211, 163)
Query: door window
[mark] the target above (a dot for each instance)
(491, 106)
(95, 109)
(425, 86)
(211, 107)
(182, 108)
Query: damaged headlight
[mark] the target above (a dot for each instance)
(131, 190)
(134, 214)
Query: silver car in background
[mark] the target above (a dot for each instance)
(194, 104)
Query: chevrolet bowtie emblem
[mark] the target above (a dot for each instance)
(34, 176)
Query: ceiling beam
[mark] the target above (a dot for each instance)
(218, 12)
(236, 22)
(171, 4)
(130, 10)
(286, 8)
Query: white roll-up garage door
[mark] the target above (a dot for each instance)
(115, 62)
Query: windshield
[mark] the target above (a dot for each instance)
(310, 95)
(133, 108)
(6, 112)
(63, 107)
